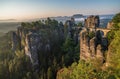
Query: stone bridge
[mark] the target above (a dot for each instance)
(104, 30)
(89, 49)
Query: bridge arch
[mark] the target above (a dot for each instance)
(99, 33)
(104, 30)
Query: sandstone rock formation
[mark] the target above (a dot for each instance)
(37, 43)
(109, 25)
(92, 22)
(93, 44)
(70, 24)
(91, 48)
(14, 41)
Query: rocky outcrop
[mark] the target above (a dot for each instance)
(84, 45)
(93, 44)
(92, 22)
(92, 48)
(70, 24)
(15, 44)
(109, 25)
(32, 44)
(37, 43)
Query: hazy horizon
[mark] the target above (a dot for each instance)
(31, 9)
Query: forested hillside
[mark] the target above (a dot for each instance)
(93, 69)
(56, 54)
(59, 49)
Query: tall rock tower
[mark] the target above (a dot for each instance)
(92, 43)
(92, 22)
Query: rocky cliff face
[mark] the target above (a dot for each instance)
(92, 22)
(91, 48)
(32, 47)
(37, 43)
(93, 45)
(41, 43)
(109, 25)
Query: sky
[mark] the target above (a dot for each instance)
(29, 9)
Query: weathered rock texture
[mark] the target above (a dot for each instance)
(109, 25)
(37, 43)
(93, 43)
(41, 43)
(91, 48)
(92, 22)
(70, 24)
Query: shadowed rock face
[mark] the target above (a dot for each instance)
(100, 39)
(43, 43)
(94, 47)
(70, 24)
(32, 47)
(93, 43)
(15, 44)
(37, 43)
(91, 48)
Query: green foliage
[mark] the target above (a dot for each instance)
(91, 34)
(114, 48)
(116, 21)
(16, 65)
(92, 69)
(114, 53)
(51, 23)
(80, 24)
(116, 27)
(82, 70)
(68, 45)
(49, 73)
(110, 36)
(70, 51)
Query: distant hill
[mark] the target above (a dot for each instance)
(107, 16)
(78, 16)
(7, 19)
